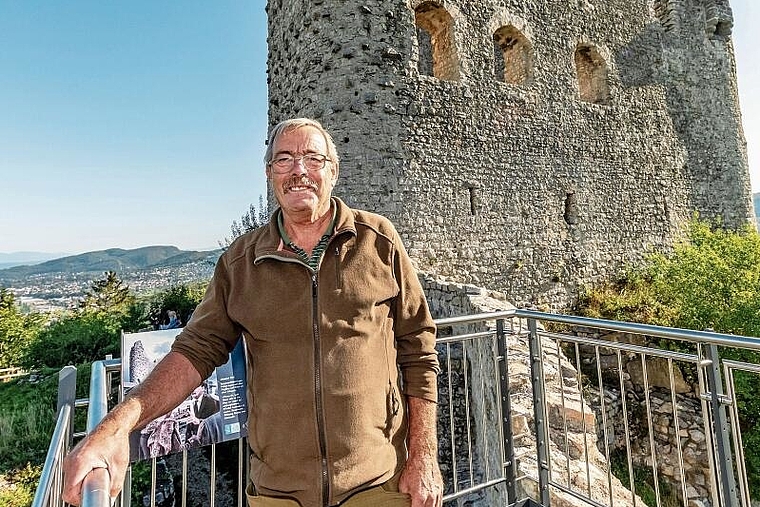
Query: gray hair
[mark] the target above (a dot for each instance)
(295, 124)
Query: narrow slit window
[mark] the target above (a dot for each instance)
(474, 195)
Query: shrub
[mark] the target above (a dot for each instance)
(78, 338)
(23, 484)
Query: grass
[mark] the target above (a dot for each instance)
(27, 421)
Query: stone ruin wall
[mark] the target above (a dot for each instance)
(554, 142)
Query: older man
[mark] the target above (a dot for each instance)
(340, 344)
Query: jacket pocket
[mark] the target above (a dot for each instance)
(393, 409)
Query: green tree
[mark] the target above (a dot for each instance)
(182, 298)
(17, 330)
(254, 218)
(108, 294)
(709, 280)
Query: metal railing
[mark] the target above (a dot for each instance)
(561, 416)
(51, 479)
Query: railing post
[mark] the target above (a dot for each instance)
(67, 395)
(510, 471)
(539, 402)
(723, 457)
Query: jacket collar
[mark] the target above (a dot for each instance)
(271, 242)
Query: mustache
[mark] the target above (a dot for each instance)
(299, 181)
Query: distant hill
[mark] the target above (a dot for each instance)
(9, 260)
(113, 259)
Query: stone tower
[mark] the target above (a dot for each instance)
(529, 146)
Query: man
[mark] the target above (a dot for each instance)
(331, 310)
(203, 405)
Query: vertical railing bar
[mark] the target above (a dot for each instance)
(655, 474)
(500, 351)
(702, 361)
(454, 470)
(508, 457)
(126, 493)
(125, 497)
(481, 374)
(212, 479)
(153, 482)
(626, 428)
(564, 416)
(579, 379)
(241, 473)
(603, 403)
(67, 390)
(674, 403)
(55, 453)
(720, 427)
(737, 435)
(539, 414)
(58, 481)
(184, 478)
(467, 412)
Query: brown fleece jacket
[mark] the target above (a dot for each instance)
(324, 351)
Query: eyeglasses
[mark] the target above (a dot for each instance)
(311, 161)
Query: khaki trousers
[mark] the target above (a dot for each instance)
(385, 495)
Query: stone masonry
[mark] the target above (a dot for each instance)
(527, 146)
(574, 446)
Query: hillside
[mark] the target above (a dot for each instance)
(59, 283)
(113, 259)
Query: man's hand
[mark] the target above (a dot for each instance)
(103, 448)
(421, 478)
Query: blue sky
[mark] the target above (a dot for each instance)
(125, 124)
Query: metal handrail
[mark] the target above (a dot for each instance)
(96, 488)
(673, 333)
(96, 485)
(51, 470)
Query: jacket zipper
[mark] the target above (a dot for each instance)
(337, 268)
(318, 391)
